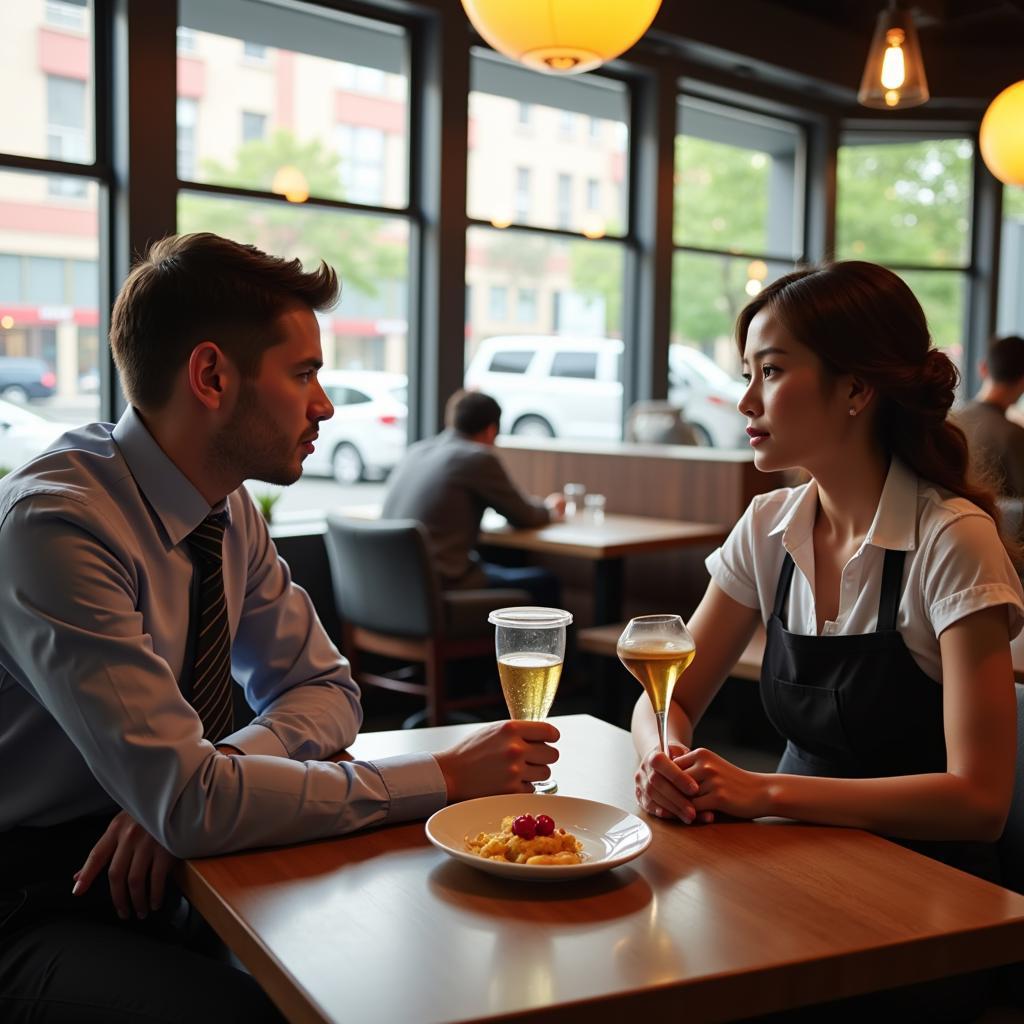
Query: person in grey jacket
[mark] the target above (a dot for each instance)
(448, 481)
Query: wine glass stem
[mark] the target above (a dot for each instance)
(662, 717)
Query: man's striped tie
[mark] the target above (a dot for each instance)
(211, 667)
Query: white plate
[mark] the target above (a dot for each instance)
(609, 835)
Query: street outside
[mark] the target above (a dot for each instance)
(305, 495)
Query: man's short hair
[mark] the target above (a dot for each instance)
(1006, 359)
(470, 412)
(197, 287)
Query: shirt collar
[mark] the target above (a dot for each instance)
(894, 525)
(172, 496)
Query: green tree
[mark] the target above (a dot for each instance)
(365, 250)
(909, 202)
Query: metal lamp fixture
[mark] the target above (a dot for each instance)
(1001, 138)
(894, 73)
(561, 36)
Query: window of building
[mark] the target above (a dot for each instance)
(497, 304)
(254, 126)
(739, 198)
(73, 14)
(523, 113)
(66, 137)
(362, 152)
(187, 110)
(187, 42)
(526, 305)
(593, 194)
(566, 124)
(522, 194)
(255, 52)
(564, 207)
(906, 203)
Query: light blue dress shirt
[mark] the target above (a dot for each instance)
(95, 580)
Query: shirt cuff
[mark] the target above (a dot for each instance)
(255, 739)
(414, 783)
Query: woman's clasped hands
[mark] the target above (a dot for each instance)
(695, 785)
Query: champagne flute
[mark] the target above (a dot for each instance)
(657, 649)
(530, 647)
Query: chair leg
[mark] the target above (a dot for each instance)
(433, 668)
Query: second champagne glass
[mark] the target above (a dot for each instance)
(657, 649)
(530, 646)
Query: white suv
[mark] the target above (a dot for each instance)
(550, 386)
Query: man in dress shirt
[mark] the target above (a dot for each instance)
(996, 442)
(104, 760)
(448, 481)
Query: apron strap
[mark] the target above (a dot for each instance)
(782, 589)
(892, 586)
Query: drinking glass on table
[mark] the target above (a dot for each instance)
(657, 649)
(573, 494)
(530, 647)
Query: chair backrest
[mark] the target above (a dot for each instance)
(656, 422)
(382, 575)
(1011, 845)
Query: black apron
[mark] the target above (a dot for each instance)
(859, 706)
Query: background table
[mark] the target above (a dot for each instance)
(711, 923)
(606, 543)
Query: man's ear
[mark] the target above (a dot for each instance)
(983, 369)
(210, 374)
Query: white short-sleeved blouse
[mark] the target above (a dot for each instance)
(955, 564)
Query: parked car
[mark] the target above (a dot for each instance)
(23, 434)
(367, 434)
(708, 396)
(22, 379)
(551, 386)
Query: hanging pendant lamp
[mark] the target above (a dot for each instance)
(561, 36)
(1001, 137)
(894, 75)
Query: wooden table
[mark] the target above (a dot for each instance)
(711, 923)
(605, 543)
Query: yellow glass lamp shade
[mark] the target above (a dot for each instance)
(291, 183)
(561, 36)
(1002, 135)
(894, 75)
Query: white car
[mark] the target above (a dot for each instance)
(550, 386)
(366, 436)
(24, 434)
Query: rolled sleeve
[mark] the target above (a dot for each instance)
(970, 571)
(732, 566)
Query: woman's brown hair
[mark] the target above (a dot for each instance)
(861, 319)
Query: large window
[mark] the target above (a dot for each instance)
(49, 227)
(738, 225)
(1010, 319)
(548, 155)
(906, 203)
(311, 104)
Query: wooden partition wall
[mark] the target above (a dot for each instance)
(709, 485)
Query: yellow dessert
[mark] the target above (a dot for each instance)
(524, 840)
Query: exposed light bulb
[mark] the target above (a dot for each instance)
(894, 72)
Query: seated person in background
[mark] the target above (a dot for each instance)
(139, 578)
(997, 443)
(448, 481)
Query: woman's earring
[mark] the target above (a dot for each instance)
(853, 412)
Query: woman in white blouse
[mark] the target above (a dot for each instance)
(888, 595)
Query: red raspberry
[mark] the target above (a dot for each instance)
(545, 825)
(524, 826)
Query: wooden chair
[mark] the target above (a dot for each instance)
(391, 603)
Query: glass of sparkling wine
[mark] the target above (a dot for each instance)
(530, 645)
(657, 649)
